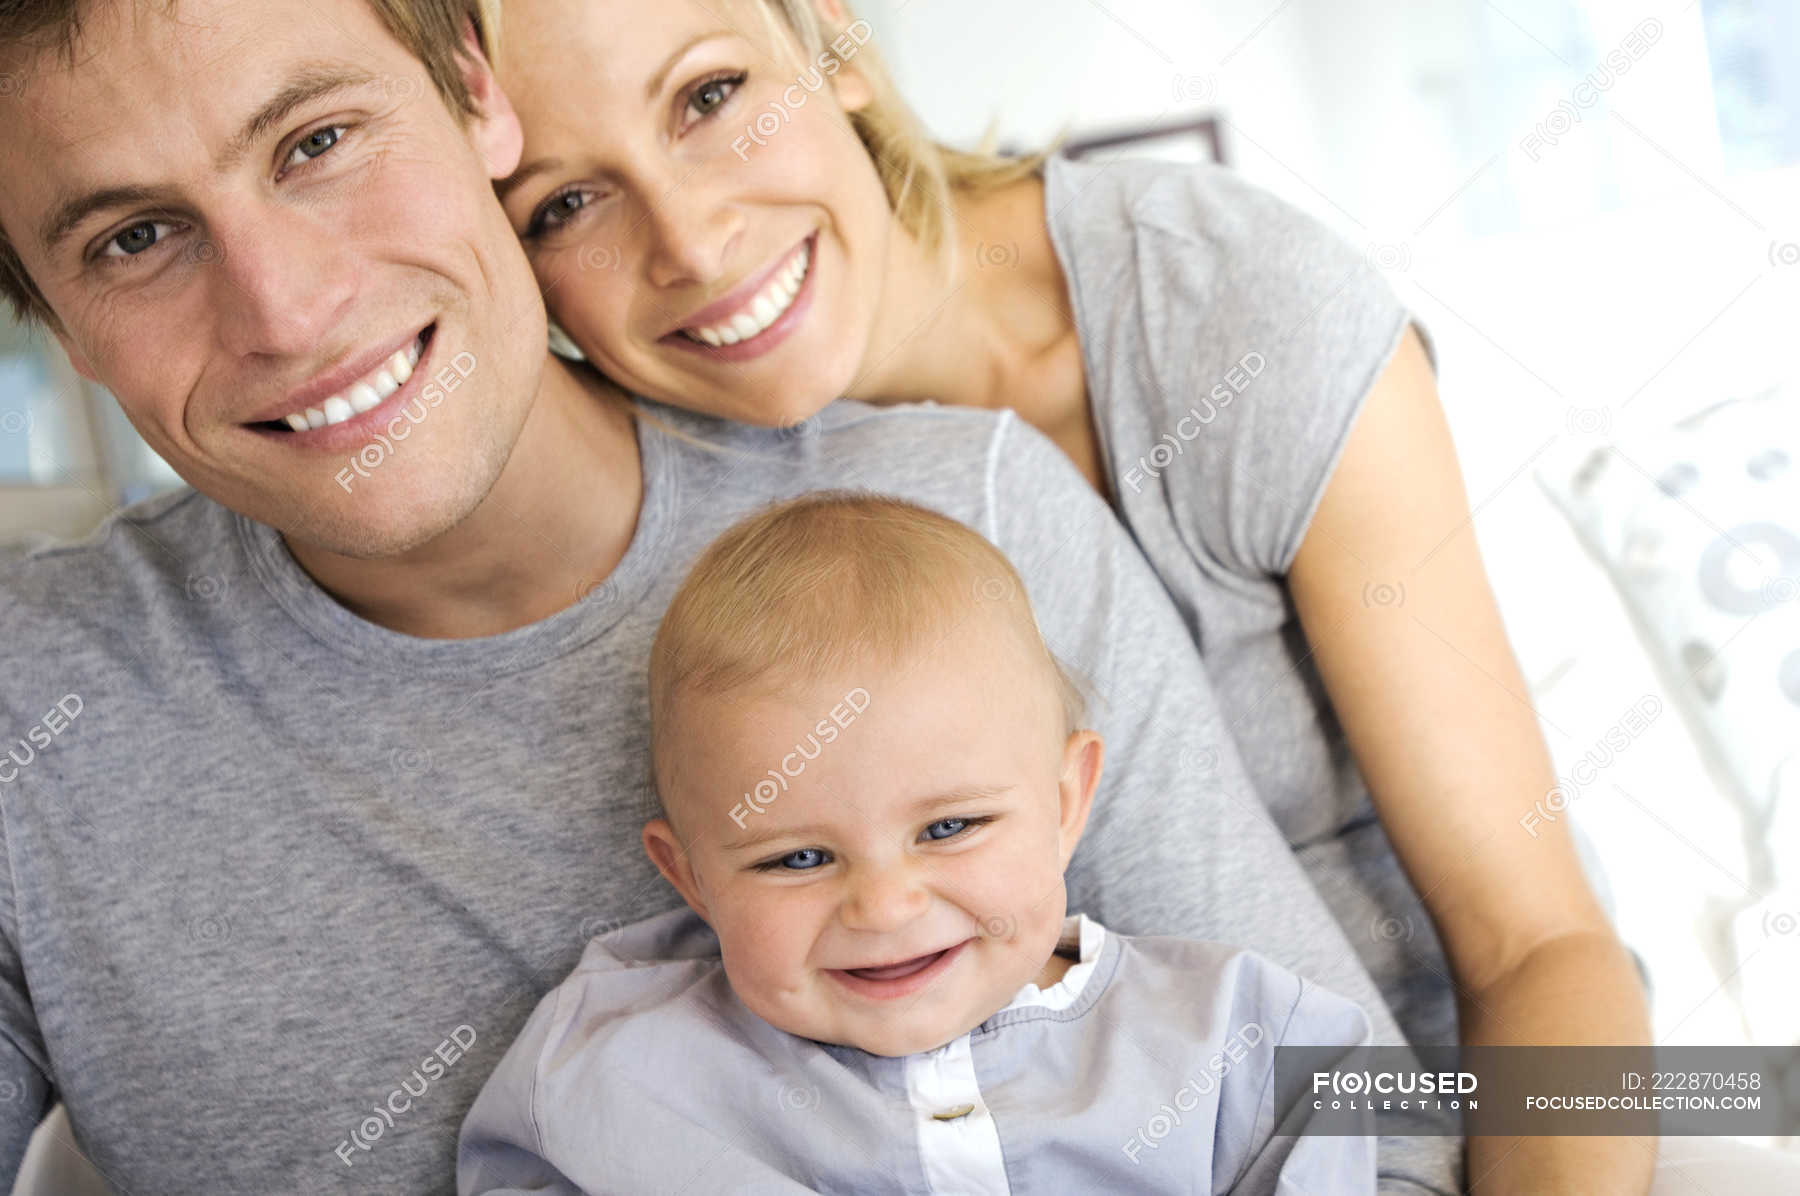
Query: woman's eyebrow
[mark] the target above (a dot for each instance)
(654, 87)
(504, 187)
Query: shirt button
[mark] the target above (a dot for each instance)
(953, 1114)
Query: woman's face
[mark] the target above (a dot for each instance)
(703, 220)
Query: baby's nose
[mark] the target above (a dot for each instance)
(883, 898)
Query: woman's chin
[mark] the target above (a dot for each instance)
(773, 407)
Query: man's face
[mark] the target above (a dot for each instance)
(239, 211)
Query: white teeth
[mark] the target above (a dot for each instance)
(767, 306)
(362, 396)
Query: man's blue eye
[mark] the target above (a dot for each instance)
(317, 142)
(944, 828)
(804, 859)
(137, 238)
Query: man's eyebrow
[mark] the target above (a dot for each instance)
(310, 83)
(63, 219)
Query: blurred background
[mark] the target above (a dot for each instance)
(1594, 207)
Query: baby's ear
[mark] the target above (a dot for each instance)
(669, 854)
(1084, 754)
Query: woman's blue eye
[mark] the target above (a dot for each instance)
(944, 828)
(803, 860)
(712, 94)
(557, 210)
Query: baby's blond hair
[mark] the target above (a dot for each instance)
(828, 581)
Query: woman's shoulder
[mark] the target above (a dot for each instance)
(1197, 226)
(1228, 338)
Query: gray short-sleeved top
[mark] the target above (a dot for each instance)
(1229, 341)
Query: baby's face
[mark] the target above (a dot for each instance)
(882, 855)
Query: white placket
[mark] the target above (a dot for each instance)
(959, 1144)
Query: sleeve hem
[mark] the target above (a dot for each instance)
(1329, 463)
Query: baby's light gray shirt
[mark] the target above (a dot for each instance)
(282, 884)
(1148, 1068)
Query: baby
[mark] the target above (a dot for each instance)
(873, 774)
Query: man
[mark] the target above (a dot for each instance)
(328, 769)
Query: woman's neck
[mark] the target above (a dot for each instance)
(985, 324)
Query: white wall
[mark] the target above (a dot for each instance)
(1036, 68)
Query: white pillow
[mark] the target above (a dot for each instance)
(1699, 527)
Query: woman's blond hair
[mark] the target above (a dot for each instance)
(920, 175)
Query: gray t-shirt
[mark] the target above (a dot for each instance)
(1230, 341)
(283, 884)
(643, 1072)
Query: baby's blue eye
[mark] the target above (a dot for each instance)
(944, 828)
(804, 859)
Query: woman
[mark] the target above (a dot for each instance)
(729, 209)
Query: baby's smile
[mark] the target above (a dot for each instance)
(885, 982)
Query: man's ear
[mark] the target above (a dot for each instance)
(1084, 754)
(848, 84)
(665, 849)
(495, 126)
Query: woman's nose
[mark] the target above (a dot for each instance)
(691, 236)
(883, 897)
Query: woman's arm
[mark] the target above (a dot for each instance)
(1442, 727)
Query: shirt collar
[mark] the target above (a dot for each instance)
(1085, 937)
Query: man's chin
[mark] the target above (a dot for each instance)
(375, 529)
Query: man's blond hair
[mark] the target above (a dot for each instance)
(819, 585)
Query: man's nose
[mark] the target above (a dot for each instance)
(280, 282)
(691, 234)
(883, 897)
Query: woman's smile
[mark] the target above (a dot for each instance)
(758, 314)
